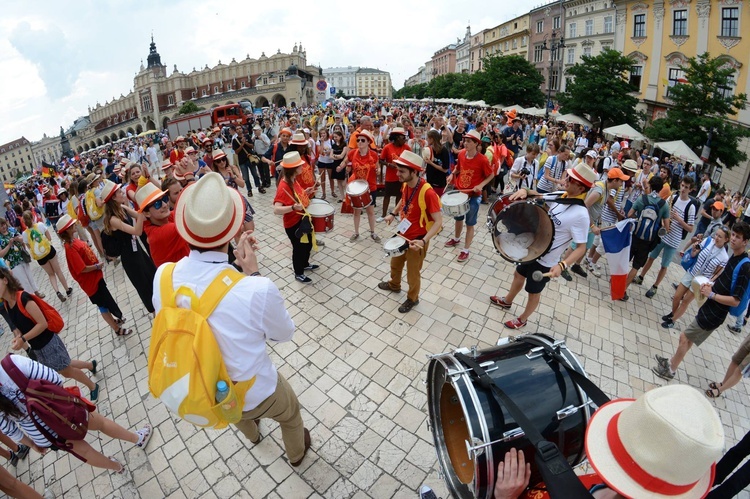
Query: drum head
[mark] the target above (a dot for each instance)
(394, 243)
(320, 209)
(454, 198)
(523, 232)
(357, 187)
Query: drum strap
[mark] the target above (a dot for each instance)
(558, 476)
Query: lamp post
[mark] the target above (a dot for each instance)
(554, 45)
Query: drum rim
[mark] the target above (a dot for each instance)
(492, 226)
(358, 181)
(330, 210)
(391, 239)
(454, 193)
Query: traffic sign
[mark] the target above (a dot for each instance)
(322, 85)
(333, 90)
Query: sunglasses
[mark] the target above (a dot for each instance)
(160, 202)
(362, 140)
(219, 159)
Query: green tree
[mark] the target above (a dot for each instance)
(189, 107)
(509, 80)
(340, 93)
(702, 104)
(598, 88)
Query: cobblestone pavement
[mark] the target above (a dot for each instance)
(358, 367)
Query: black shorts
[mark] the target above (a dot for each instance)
(103, 299)
(335, 175)
(327, 166)
(392, 188)
(52, 254)
(639, 250)
(527, 270)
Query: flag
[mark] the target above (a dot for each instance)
(616, 241)
(45, 171)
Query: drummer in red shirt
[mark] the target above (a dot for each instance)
(166, 244)
(290, 201)
(391, 152)
(420, 220)
(306, 175)
(363, 164)
(471, 173)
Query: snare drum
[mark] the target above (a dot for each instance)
(455, 203)
(521, 231)
(395, 246)
(322, 215)
(359, 193)
(472, 432)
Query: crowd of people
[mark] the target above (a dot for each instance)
(176, 213)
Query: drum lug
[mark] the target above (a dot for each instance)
(513, 434)
(506, 340)
(535, 353)
(429, 425)
(474, 352)
(571, 409)
(475, 448)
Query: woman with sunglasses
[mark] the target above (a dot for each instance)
(363, 164)
(165, 242)
(125, 226)
(233, 178)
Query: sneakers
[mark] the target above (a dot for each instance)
(515, 324)
(312, 267)
(94, 394)
(663, 361)
(594, 270)
(22, 452)
(500, 302)
(385, 286)
(93, 367)
(675, 285)
(61, 297)
(320, 243)
(13, 458)
(452, 242)
(578, 270)
(261, 190)
(379, 219)
(625, 297)
(144, 435)
(426, 492)
(566, 275)
(354, 238)
(302, 278)
(374, 237)
(667, 317)
(735, 330)
(69, 291)
(638, 280)
(463, 256)
(663, 371)
(407, 305)
(651, 292)
(667, 324)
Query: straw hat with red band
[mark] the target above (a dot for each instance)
(662, 445)
(207, 141)
(397, 131)
(473, 135)
(410, 160)
(583, 174)
(218, 154)
(209, 214)
(147, 195)
(190, 150)
(179, 139)
(292, 160)
(65, 223)
(109, 190)
(366, 134)
(286, 131)
(298, 139)
(166, 164)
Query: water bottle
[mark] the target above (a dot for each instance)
(227, 403)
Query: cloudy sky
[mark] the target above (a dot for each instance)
(59, 57)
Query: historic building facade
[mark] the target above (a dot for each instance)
(15, 159)
(463, 53)
(508, 38)
(589, 30)
(444, 60)
(545, 23)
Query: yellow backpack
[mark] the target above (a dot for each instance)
(39, 245)
(94, 211)
(184, 360)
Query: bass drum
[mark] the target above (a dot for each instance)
(472, 432)
(522, 231)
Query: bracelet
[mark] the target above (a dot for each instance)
(712, 296)
(563, 265)
(394, 214)
(254, 274)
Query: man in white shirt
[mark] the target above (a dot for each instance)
(705, 188)
(208, 215)
(154, 165)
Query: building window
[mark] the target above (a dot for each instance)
(554, 77)
(506, 46)
(540, 26)
(639, 25)
(730, 21)
(147, 103)
(216, 89)
(203, 92)
(589, 27)
(573, 30)
(193, 94)
(571, 56)
(608, 25)
(243, 84)
(538, 53)
(676, 76)
(636, 72)
(524, 41)
(556, 22)
(679, 23)
(170, 100)
(515, 43)
(281, 78)
(115, 119)
(265, 81)
(587, 51)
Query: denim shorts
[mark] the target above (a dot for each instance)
(471, 217)
(667, 254)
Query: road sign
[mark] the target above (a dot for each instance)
(322, 85)
(333, 91)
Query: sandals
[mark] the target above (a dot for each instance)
(714, 385)
(121, 321)
(123, 332)
(122, 466)
(713, 393)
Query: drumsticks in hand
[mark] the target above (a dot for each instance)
(538, 275)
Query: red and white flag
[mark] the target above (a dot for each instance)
(616, 241)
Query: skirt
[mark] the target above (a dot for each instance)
(54, 354)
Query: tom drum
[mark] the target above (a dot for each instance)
(322, 215)
(359, 193)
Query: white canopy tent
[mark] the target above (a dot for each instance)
(625, 131)
(572, 118)
(515, 107)
(679, 149)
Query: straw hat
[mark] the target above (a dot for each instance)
(109, 190)
(91, 178)
(664, 444)
(166, 164)
(179, 139)
(209, 214)
(398, 131)
(583, 174)
(366, 134)
(218, 154)
(630, 165)
(62, 191)
(190, 150)
(410, 160)
(298, 139)
(473, 135)
(292, 160)
(64, 223)
(147, 195)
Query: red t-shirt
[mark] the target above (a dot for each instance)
(285, 196)
(167, 245)
(364, 167)
(469, 173)
(413, 213)
(306, 176)
(176, 155)
(131, 187)
(390, 154)
(79, 255)
(540, 490)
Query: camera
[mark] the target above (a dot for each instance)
(525, 171)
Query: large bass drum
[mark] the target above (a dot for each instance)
(472, 431)
(521, 231)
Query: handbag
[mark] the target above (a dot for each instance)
(688, 260)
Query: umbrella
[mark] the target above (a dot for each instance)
(572, 118)
(679, 149)
(625, 131)
(147, 132)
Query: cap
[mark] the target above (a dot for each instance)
(616, 173)
(592, 154)
(718, 205)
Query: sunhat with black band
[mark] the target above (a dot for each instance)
(208, 214)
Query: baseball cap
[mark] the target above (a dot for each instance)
(592, 154)
(718, 205)
(616, 173)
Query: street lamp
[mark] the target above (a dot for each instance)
(555, 44)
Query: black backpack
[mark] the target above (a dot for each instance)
(695, 203)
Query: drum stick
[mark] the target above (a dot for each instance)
(402, 237)
(537, 275)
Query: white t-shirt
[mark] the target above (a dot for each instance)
(705, 190)
(571, 224)
(518, 165)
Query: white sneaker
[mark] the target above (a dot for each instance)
(595, 270)
(379, 219)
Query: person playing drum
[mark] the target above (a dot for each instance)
(472, 172)
(571, 220)
(420, 220)
(364, 166)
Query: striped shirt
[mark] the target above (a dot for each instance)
(609, 216)
(556, 169)
(709, 259)
(15, 428)
(674, 236)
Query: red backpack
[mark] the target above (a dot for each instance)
(61, 411)
(82, 216)
(55, 322)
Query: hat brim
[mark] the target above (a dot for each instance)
(296, 164)
(299, 143)
(67, 226)
(226, 235)
(574, 174)
(605, 465)
(111, 194)
(408, 164)
(219, 156)
(155, 196)
(467, 136)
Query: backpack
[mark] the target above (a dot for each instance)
(688, 261)
(745, 298)
(649, 220)
(111, 246)
(39, 245)
(510, 158)
(696, 207)
(92, 209)
(52, 408)
(184, 360)
(83, 217)
(55, 322)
